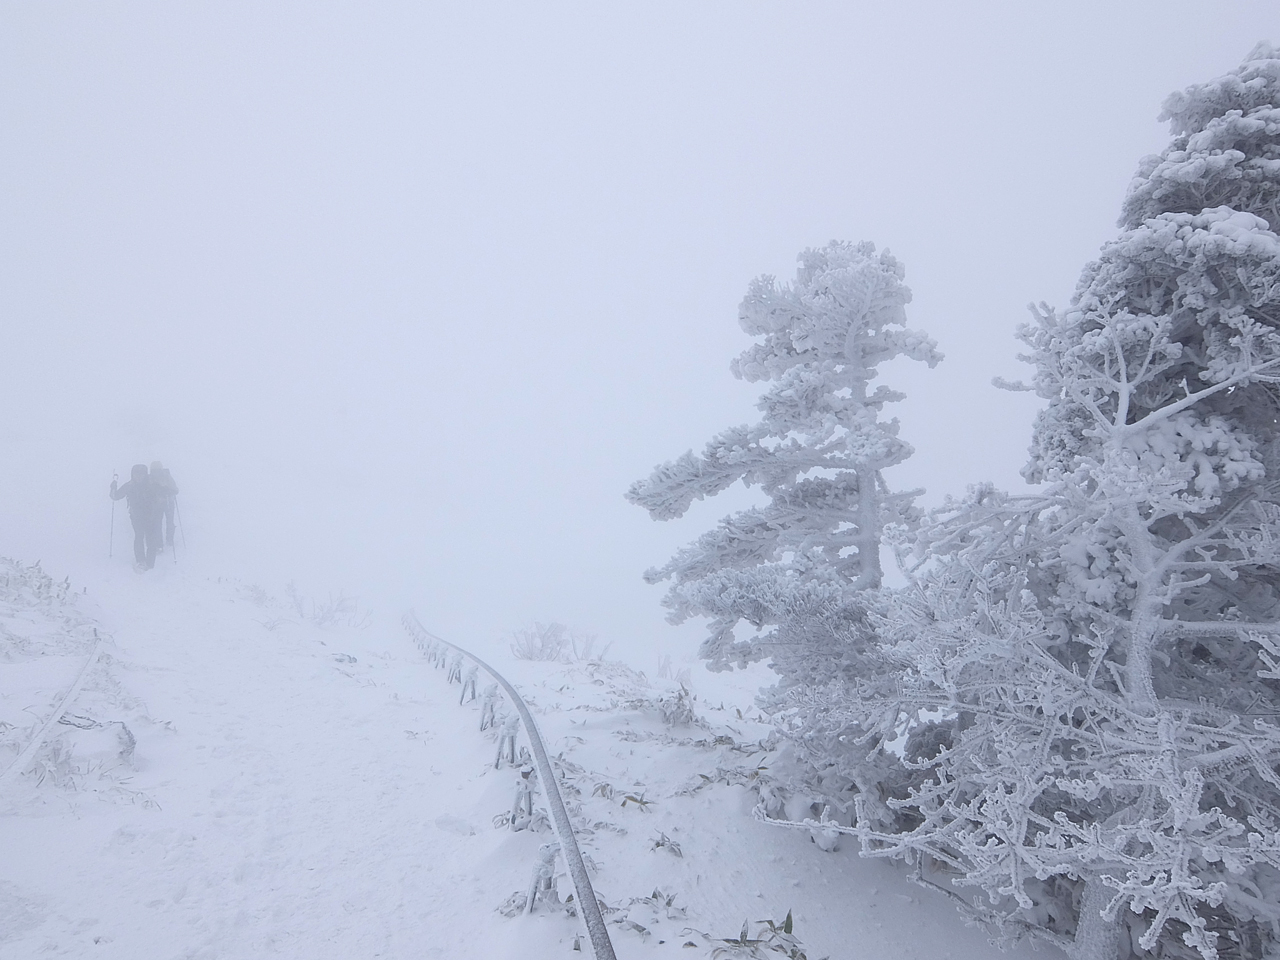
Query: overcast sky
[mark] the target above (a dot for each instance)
(407, 294)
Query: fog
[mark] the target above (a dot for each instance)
(406, 295)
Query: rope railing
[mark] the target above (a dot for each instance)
(584, 895)
(24, 758)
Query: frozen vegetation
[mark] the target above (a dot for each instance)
(1064, 720)
(1071, 708)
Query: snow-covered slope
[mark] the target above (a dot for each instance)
(296, 790)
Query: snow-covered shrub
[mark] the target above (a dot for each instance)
(667, 672)
(542, 641)
(337, 610)
(676, 708)
(38, 615)
(773, 938)
(552, 642)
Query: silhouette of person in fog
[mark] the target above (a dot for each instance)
(146, 509)
(163, 480)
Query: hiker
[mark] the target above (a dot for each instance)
(163, 480)
(146, 510)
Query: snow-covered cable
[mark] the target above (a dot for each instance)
(37, 741)
(597, 932)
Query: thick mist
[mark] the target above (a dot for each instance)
(407, 295)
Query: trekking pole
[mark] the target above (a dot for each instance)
(111, 544)
(177, 509)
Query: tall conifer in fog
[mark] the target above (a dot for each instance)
(790, 581)
(816, 453)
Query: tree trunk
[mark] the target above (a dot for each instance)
(1096, 938)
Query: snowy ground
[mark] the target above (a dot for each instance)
(237, 782)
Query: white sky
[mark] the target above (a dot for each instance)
(407, 294)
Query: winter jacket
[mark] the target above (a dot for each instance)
(146, 499)
(163, 480)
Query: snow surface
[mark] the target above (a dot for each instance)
(309, 792)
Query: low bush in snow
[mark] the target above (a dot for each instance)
(552, 642)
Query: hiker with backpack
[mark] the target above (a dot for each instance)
(146, 511)
(163, 480)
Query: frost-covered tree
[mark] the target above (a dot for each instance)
(1224, 152)
(1091, 675)
(817, 454)
(793, 576)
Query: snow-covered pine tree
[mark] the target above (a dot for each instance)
(797, 569)
(1092, 674)
(817, 453)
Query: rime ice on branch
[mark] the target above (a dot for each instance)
(817, 453)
